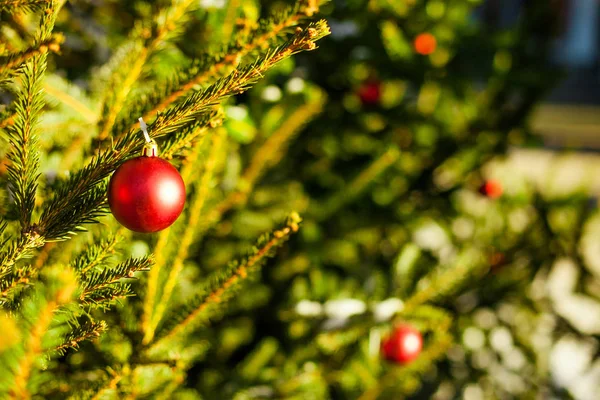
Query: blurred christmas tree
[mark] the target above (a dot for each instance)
(416, 220)
(422, 258)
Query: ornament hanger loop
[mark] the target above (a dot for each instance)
(144, 129)
(150, 149)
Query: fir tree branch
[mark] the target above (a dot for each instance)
(110, 385)
(105, 297)
(97, 281)
(184, 139)
(88, 331)
(15, 281)
(96, 255)
(167, 21)
(59, 219)
(23, 170)
(82, 198)
(20, 248)
(222, 285)
(468, 263)
(33, 351)
(268, 155)
(39, 313)
(211, 66)
(187, 238)
(160, 249)
(237, 82)
(20, 6)
(358, 185)
(83, 209)
(12, 61)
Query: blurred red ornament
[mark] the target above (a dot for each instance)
(496, 260)
(146, 194)
(425, 44)
(370, 92)
(403, 345)
(491, 188)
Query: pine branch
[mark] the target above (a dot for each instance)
(443, 282)
(12, 61)
(38, 314)
(83, 209)
(237, 82)
(20, 6)
(11, 283)
(160, 249)
(23, 170)
(4, 239)
(59, 220)
(96, 255)
(98, 281)
(104, 298)
(188, 236)
(21, 248)
(222, 286)
(141, 47)
(406, 379)
(212, 65)
(268, 155)
(358, 185)
(110, 386)
(81, 199)
(178, 142)
(88, 331)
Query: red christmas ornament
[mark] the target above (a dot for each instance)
(425, 44)
(146, 194)
(497, 260)
(491, 188)
(370, 92)
(403, 345)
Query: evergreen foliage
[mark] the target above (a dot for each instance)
(380, 145)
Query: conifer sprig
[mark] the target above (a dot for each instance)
(79, 200)
(23, 170)
(12, 61)
(96, 255)
(192, 219)
(87, 331)
(268, 155)
(19, 6)
(161, 250)
(237, 81)
(222, 286)
(36, 317)
(144, 41)
(358, 184)
(211, 65)
(20, 248)
(97, 281)
(14, 282)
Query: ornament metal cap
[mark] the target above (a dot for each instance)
(150, 148)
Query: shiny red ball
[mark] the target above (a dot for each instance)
(370, 92)
(146, 194)
(403, 345)
(492, 189)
